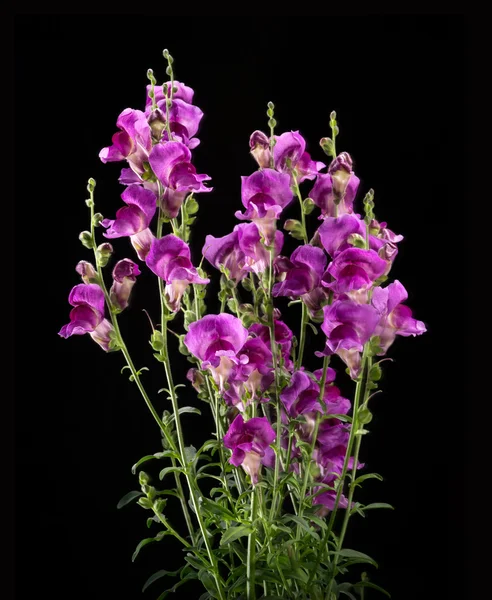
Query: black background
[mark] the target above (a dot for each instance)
(397, 86)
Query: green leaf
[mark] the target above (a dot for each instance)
(362, 478)
(217, 509)
(145, 542)
(373, 586)
(377, 505)
(127, 498)
(347, 553)
(157, 575)
(168, 470)
(233, 533)
(303, 523)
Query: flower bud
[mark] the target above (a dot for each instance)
(259, 145)
(103, 254)
(86, 238)
(124, 275)
(86, 271)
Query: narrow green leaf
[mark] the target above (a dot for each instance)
(233, 533)
(373, 586)
(127, 498)
(158, 575)
(348, 553)
(362, 478)
(302, 522)
(141, 545)
(377, 505)
(168, 470)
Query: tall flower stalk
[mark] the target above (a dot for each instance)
(284, 453)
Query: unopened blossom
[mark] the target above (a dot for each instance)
(384, 242)
(87, 316)
(133, 143)
(348, 326)
(170, 259)
(301, 273)
(124, 277)
(216, 341)
(133, 218)
(334, 192)
(240, 252)
(250, 444)
(259, 145)
(86, 271)
(395, 317)
(265, 194)
(289, 153)
(171, 164)
(283, 338)
(354, 269)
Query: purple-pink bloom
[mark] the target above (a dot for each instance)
(265, 194)
(124, 277)
(283, 338)
(133, 218)
(171, 163)
(395, 318)
(216, 341)
(348, 326)
(289, 153)
(340, 185)
(334, 232)
(354, 269)
(142, 242)
(301, 395)
(240, 252)
(259, 145)
(170, 259)
(87, 316)
(334, 402)
(132, 143)
(301, 273)
(86, 271)
(250, 444)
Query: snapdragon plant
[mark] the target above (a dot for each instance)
(283, 458)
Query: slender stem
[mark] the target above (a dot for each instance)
(302, 340)
(303, 216)
(251, 558)
(171, 529)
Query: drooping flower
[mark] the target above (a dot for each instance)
(265, 194)
(353, 270)
(87, 316)
(241, 252)
(395, 317)
(216, 341)
(142, 242)
(301, 273)
(283, 338)
(124, 277)
(132, 143)
(334, 192)
(133, 218)
(259, 145)
(348, 326)
(250, 444)
(171, 163)
(170, 259)
(290, 153)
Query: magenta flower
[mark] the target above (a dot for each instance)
(265, 194)
(301, 395)
(241, 252)
(132, 143)
(334, 232)
(348, 326)
(133, 218)
(124, 277)
(216, 341)
(354, 269)
(170, 259)
(87, 316)
(395, 318)
(339, 183)
(335, 403)
(259, 145)
(289, 153)
(301, 273)
(283, 338)
(250, 444)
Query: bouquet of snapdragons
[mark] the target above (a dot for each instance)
(267, 500)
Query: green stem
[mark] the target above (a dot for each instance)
(171, 529)
(364, 377)
(251, 561)
(302, 340)
(303, 216)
